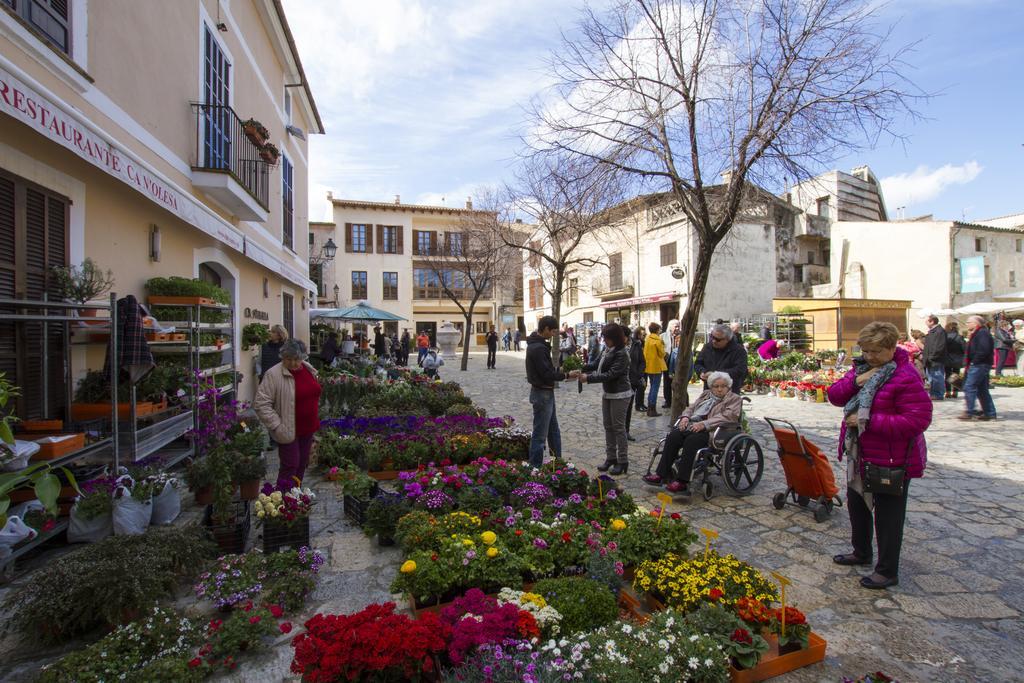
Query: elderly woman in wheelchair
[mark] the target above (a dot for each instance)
(715, 407)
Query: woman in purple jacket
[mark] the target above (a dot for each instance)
(886, 411)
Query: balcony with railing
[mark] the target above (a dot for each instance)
(612, 286)
(228, 166)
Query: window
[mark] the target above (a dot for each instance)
(425, 242)
(48, 17)
(287, 107)
(979, 244)
(823, 209)
(316, 274)
(826, 256)
(810, 257)
(988, 277)
(217, 94)
(534, 255)
(481, 327)
(425, 284)
(454, 243)
(357, 238)
(798, 273)
(668, 254)
(615, 272)
(536, 294)
(312, 238)
(389, 239)
(391, 286)
(288, 314)
(359, 285)
(33, 239)
(1013, 278)
(588, 317)
(1020, 246)
(574, 291)
(287, 203)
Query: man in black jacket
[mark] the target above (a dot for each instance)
(722, 353)
(978, 362)
(934, 357)
(542, 375)
(492, 348)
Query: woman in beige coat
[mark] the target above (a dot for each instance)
(715, 407)
(288, 405)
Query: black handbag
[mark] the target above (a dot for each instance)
(883, 480)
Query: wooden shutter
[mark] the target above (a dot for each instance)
(369, 238)
(380, 238)
(348, 238)
(433, 243)
(399, 238)
(8, 277)
(447, 244)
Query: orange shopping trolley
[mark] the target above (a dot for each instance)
(809, 474)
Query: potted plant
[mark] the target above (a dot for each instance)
(81, 284)
(254, 335)
(255, 131)
(358, 489)
(269, 153)
(382, 516)
(248, 472)
(200, 477)
(285, 517)
(180, 290)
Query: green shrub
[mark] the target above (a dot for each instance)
(180, 286)
(107, 583)
(335, 450)
(585, 605)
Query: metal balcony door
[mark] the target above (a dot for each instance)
(216, 113)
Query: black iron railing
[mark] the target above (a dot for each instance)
(222, 145)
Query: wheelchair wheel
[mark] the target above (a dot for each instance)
(708, 490)
(743, 464)
(779, 501)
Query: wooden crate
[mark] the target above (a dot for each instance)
(773, 664)
(49, 451)
(191, 300)
(41, 425)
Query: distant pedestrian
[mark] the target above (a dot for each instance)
(593, 344)
(542, 375)
(492, 348)
(432, 362)
(270, 351)
(668, 335)
(518, 338)
(934, 357)
(655, 365)
(565, 347)
(768, 349)
(1003, 342)
(329, 349)
(422, 345)
(611, 371)
(1018, 345)
(403, 346)
(978, 363)
(378, 342)
(506, 340)
(637, 376)
(766, 331)
(956, 347)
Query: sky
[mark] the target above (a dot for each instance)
(424, 99)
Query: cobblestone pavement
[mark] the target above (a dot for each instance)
(956, 615)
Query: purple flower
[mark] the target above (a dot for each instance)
(540, 543)
(611, 494)
(558, 503)
(575, 499)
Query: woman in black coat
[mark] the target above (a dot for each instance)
(955, 348)
(637, 366)
(611, 371)
(270, 352)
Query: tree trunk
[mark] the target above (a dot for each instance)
(468, 330)
(688, 329)
(556, 310)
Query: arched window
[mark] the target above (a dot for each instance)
(208, 274)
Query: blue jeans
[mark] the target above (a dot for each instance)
(976, 388)
(652, 392)
(545, 426)
(937, 381)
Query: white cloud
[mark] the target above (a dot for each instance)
(924, 184)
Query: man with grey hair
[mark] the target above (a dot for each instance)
(977, 365)
(934, 357)
(723, 353)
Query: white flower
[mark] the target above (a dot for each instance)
(693, 662)
(709, 662)
(693, 638)
(663, 668)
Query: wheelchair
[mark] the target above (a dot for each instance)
(731, 453)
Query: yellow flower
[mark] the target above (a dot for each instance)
(618, 524)
(489, 538)
(408, 567)
(492, 552)
(467, 542)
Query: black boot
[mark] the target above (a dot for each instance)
(605, 466)
(619, 468)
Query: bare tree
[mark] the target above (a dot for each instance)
(467, 267)
(676, 93)
(569, 200)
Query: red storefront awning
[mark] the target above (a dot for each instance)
(641, 300)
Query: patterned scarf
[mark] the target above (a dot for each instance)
(862, 400)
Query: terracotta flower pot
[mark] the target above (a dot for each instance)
(204, 495)
(249, 490)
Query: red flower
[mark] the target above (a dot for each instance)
(715, 594)
(215, 624)
(255, 619)
(676, 515)
(566, 537)
(247, 606)
(433, 556)
(794, 617)
(230, 663)
(276, 611)
(48, 524)
(741, 635)
(194, 662)
(286, 627)
(654, 513)
(519, 532)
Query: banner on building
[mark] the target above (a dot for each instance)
(972, 274)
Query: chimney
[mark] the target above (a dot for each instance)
(469, 203)
(330, 195)
(519, 221)
(398, 199)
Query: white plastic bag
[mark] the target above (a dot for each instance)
(22, 453)
(166, 505)
(15, 531)
(82, 530)
(131, 517)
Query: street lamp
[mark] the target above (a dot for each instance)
(330, 249)
(337, 291)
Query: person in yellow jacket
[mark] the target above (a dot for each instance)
(654, 359)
